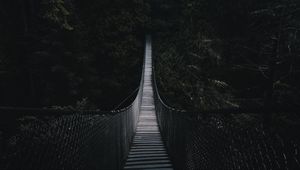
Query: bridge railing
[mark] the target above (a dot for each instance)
(50, 139)
(222, 141)
(68, 141)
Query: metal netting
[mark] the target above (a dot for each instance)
(75, 141)
(220, 142)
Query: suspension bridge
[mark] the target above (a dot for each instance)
(148, 134)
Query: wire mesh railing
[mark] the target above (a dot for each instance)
(68, 141)
(223, 141)
(75, 141)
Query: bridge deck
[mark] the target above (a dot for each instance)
(148, 150)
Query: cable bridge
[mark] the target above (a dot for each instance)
(148, 135)
(148, 150)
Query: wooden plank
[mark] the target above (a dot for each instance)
(148, 150)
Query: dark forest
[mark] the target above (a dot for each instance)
(214, 61)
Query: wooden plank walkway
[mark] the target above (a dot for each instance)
(148, 151)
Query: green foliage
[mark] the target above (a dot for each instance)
(228, 52)
(186, 81)
(55, 11)
(59, 52)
